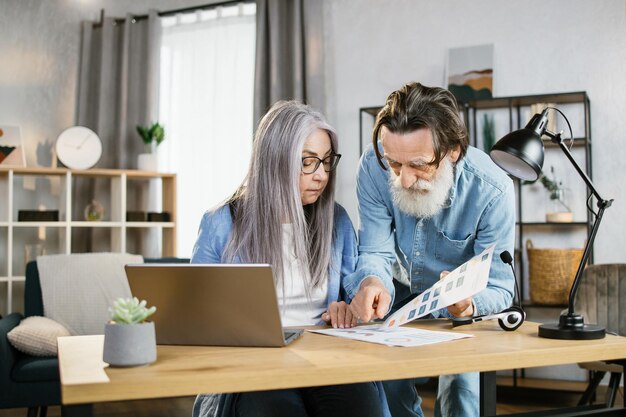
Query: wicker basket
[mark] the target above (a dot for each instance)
(551, 273)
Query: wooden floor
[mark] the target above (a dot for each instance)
(510, 400)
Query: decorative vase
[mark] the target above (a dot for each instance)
(558, 208)
(94, 211)
(129, 344)
(147, 162)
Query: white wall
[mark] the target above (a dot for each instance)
(375, 46)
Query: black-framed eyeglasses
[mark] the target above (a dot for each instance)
(310, 164)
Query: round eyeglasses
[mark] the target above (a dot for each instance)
(310, 164)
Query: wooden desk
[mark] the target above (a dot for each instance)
(315, 360)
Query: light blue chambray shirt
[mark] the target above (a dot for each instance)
(216, 229)
(479, 212)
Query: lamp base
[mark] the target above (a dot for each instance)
(571, 327)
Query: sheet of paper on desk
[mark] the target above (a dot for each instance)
(401, 336)
(465, 281)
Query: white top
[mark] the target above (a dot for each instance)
(295, 308)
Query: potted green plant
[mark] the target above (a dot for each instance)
(129, 340)
(152, 136)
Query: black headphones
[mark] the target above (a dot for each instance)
(509, 319)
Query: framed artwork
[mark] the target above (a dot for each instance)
(11, 147)
(470, 72)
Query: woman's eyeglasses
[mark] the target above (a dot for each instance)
(310, 164)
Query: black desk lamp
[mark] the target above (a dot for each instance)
(520, 153)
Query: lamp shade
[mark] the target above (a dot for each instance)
(520, 153)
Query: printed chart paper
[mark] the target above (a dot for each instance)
(464, 282)
(401, 336)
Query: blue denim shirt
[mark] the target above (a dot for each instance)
(479, 212)
(216, 227)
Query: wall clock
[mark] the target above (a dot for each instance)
(78, 147)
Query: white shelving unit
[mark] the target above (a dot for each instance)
(119, 191)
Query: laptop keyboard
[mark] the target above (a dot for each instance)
(291, 334)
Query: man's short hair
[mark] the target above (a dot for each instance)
(415, 106)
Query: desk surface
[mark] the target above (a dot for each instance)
(313, 360)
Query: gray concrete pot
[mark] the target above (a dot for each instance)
(129, 344)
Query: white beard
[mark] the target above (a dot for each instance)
(424, 198)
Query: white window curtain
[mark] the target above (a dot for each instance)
(206, 106)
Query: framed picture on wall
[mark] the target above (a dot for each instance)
(470, 72)
(11, 147)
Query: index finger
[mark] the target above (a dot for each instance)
(382, 307)
(362, 305)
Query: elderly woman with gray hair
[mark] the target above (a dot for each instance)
(285, 214)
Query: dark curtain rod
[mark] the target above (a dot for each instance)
(177, 11)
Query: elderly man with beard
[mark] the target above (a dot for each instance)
(427, 203)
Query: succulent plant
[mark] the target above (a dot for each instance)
(130, 311)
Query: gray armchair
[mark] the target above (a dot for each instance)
(600, 298)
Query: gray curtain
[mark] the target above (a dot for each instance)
(289, 56)
(118, 86)
(118, 89)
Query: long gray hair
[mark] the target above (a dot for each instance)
(270, 196)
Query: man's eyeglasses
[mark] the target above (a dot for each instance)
(425, 167)
(310, 164)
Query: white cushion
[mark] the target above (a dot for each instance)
(37, 336)
(78, 289)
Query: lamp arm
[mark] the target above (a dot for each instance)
(556, 138)
(583, 261)
(602, 205)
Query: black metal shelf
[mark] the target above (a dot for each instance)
(373, 111)
(521, 101)
(576, 143)
(514, 106)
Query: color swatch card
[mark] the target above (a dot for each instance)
(464, 282)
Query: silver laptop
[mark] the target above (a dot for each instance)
(211, 305)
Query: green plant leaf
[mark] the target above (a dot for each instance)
(144, 132)
(158, 133)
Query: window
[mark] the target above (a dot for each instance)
(206, 106)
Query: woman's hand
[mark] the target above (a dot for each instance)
(339, 315)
